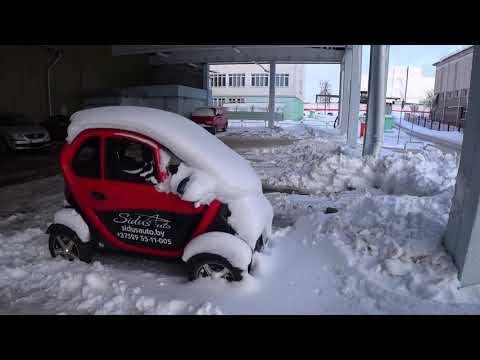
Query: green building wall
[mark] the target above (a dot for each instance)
(293, 109)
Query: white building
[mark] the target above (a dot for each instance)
(247, 86)
(418, 83)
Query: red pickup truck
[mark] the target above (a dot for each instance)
(212, 118)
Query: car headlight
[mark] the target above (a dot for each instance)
(47, 137)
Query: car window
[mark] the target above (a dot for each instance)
(86, 162)
(129, 160)
(173, 163)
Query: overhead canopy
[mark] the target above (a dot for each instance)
(231, 54)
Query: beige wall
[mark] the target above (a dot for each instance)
(454, 75)
(83, 69)
(295, 88)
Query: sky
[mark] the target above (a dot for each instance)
(414, 55)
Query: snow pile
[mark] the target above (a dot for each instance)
(29, 277)
(396, 242)
(71, 219)
(424, 173)
(285, 131)
(325, 166)
(319, 166)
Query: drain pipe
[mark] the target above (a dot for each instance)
(49, 72)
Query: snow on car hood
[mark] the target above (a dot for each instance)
(187, 140)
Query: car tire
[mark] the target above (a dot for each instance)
(212, 266)
(64, 242)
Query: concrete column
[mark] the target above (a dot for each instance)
(345, 92)
(462, 238)
(340, 93)
(271, 96)
(351, 93)
(206, 82)
(377, 90)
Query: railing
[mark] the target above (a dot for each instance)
(428, 122)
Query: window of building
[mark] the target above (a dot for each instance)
(464, 92)
(86, 162)
(218, 80)
(129, 160)
(259, 80)
(281, 80)
(218, 101)
(236, 100)
(236, 80)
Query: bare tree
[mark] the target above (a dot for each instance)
(428, 99)
(414, 108)
(325, 92)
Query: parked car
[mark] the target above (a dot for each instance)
(147, 181)
(57, 127)
(212, 118)
(18, 132)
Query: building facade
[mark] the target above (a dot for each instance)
(452, 85)
(245, 88)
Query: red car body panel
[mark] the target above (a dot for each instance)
(128, 196)
(219, 121)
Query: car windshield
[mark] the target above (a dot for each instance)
(14, 119)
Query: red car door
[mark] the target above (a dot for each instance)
(124, 205)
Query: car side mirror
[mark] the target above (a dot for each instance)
(181, 186)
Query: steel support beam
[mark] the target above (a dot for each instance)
(271, 96)
(351, 93)
(462, 238)
(377, 90)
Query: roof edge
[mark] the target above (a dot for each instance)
(449, 56)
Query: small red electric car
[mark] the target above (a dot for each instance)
(147, 181)
(211, 118)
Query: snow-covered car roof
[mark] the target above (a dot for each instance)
(187, 140)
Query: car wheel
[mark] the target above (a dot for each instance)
(65, 242)
(212, 266)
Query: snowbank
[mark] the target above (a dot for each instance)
(323, 166)
(396, 242)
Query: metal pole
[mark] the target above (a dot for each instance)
(206, 82)
(271, 98)
(377, 89)
(403, 103)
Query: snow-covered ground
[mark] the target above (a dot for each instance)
(380, 253)
(453, 137)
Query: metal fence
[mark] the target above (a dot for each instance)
(428, 122)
